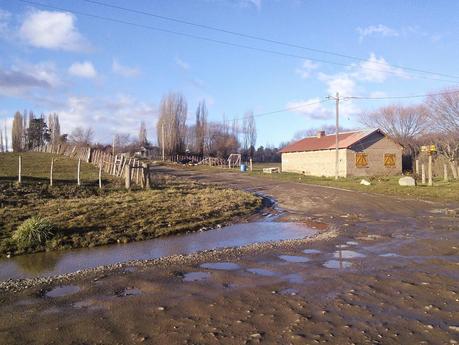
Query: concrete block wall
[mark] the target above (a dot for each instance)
(315, 163)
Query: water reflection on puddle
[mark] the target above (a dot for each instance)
(389, 255)
(229, 266)
(130, 291)
(289, 291)
(348, 254)
(196, 276)
(61, 291)
(53, 263)
(262, 272)
(294, 258)
(311, 251)
(352, 243)
(337, 264)
(294, 278)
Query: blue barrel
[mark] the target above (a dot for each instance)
(243, 167)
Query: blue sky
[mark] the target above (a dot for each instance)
(111, 76)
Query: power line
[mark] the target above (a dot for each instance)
(260, 38)
(282, 110)
(237, 45)
(403, 97)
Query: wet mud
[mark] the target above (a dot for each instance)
(390, 276)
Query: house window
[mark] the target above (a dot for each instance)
(389, 160)
(361, 160)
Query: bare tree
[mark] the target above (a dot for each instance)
(54, 128)
(81, 136)
(219, 141)
(444, 111)
(252, 134)
(444, 122)
(17, 132)
(172, 120)
(2, 149)
(200, 127)
(249, 135)
(404, 124)
(143, 134)
(6, 136)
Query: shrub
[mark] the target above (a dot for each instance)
(33, 232)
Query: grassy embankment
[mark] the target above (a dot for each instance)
(441, 191)
(86, 216)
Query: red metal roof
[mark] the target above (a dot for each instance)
(328, 142)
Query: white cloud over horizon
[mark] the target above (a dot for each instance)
(124, 71)
(18, 80)
(107, 115)
(377, 30)
(310, 108)
(182, 64)
(83, 69)
(52, 30)
(306, 68)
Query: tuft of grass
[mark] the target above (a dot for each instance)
(34, 232)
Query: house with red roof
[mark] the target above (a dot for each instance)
(361, 153)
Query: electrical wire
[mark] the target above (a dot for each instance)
(237, 45)
(282, 110)
(260, 38)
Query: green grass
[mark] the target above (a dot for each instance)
(441, 191)
(87, 216)
(36, 168)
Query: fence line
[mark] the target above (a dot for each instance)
(115, 165)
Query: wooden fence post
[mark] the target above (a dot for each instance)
(417, 166)
(423, 173)
(100, 176)
(78, 172)
(128, 176)
(251, 164)
(51, 172)
(20, 170)
(147, 176)
(430, 170)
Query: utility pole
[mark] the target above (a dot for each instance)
(337, 99)
(113, 146)
(162, 138)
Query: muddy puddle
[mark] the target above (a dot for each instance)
(226, 266)
(54, 263)
(262, 272)
(294, 258)
(196, 276)
(337, 264)
(62, 291)
(348, 254)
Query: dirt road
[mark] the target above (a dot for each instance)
(390, 276)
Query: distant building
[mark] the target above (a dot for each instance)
(361, 153)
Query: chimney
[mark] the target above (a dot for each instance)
(320, 134)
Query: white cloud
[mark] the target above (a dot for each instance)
(52, 30)
(311, 108)
(182, 64)
(21, 79)
(377, 30)
(4, 22)
(124, 71)
(107, 115)
(83, 70)
(306, 68)
(341, 82)
(256, 3)
(377, 94)
(377, 70)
